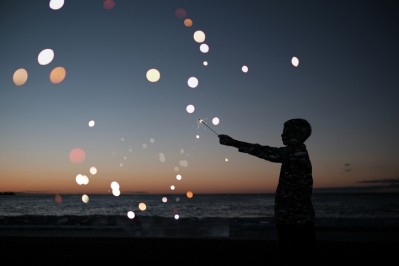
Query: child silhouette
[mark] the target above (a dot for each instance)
(293, 210)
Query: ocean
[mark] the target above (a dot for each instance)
(365, 206)
(223, 215)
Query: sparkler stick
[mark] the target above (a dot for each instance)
(203, 122)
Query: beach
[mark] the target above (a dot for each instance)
(98, 239)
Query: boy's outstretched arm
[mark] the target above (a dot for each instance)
(229, 141)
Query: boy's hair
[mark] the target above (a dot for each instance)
(299, 127)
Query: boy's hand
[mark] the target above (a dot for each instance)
(226, 140)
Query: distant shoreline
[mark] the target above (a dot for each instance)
(7, 193)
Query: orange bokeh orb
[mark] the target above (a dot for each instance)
(57, 75)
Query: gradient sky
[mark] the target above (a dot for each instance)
(346, 86)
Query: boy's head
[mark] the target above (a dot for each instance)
(296, 131)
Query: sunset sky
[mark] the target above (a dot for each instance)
(144, 135)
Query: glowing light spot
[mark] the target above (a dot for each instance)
(20, 77)
(172, 187)
(93, 170)
(178, 177)
(91, 123)
(176, 217)
(115, 185)
(181, 13)
(197, 136)
(81, 179)
(189, 194)
(188, 22)
(183, 163)
(122, 139)
(295, 61)
(190, 108)
(45, 57)
(58, 199)
(244, 69)
(192, 82)
(215, 121)
(142, 206)
(162, 157)
(109, 4)
(226, 159)
(85, 180)
(57, 75)
(164, 199)
(116, 192)
(131, 215)
(152, 140)
(85, 198)
(77, 155)
(153, 75)
(205, 63)
(56, 4)
(177, 199)
(204, 48)
(199, 36)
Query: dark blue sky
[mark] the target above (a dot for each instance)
(346, 85)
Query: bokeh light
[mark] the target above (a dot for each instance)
(153, 75)
(77, 155)
(215, 121)
(226, 159)
(164, 199)
(176, 217)
(162, 157)
(93, 170)
(244, 69)
(109, 4)
(85, 198)
(58, 199)
(205, 63)
(20, 76)
(295, 61)
(188, 22)
(115, 185)
(172, 187)
(183, 163)
(116, 192)
(190, 108)
(45, 57)
(81, 179)
(181, 13)
(91, 123)
(192, 82)
(199, 36)
(131, 214)
(56, 4)
(57, 75)
(142, 206)
(178, 177)
(204, 48)
(189, 194)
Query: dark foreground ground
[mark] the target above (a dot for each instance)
(180, 251)
(105, 241)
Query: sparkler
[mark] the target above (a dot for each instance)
(201, 121)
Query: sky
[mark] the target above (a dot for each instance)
(94, 95)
